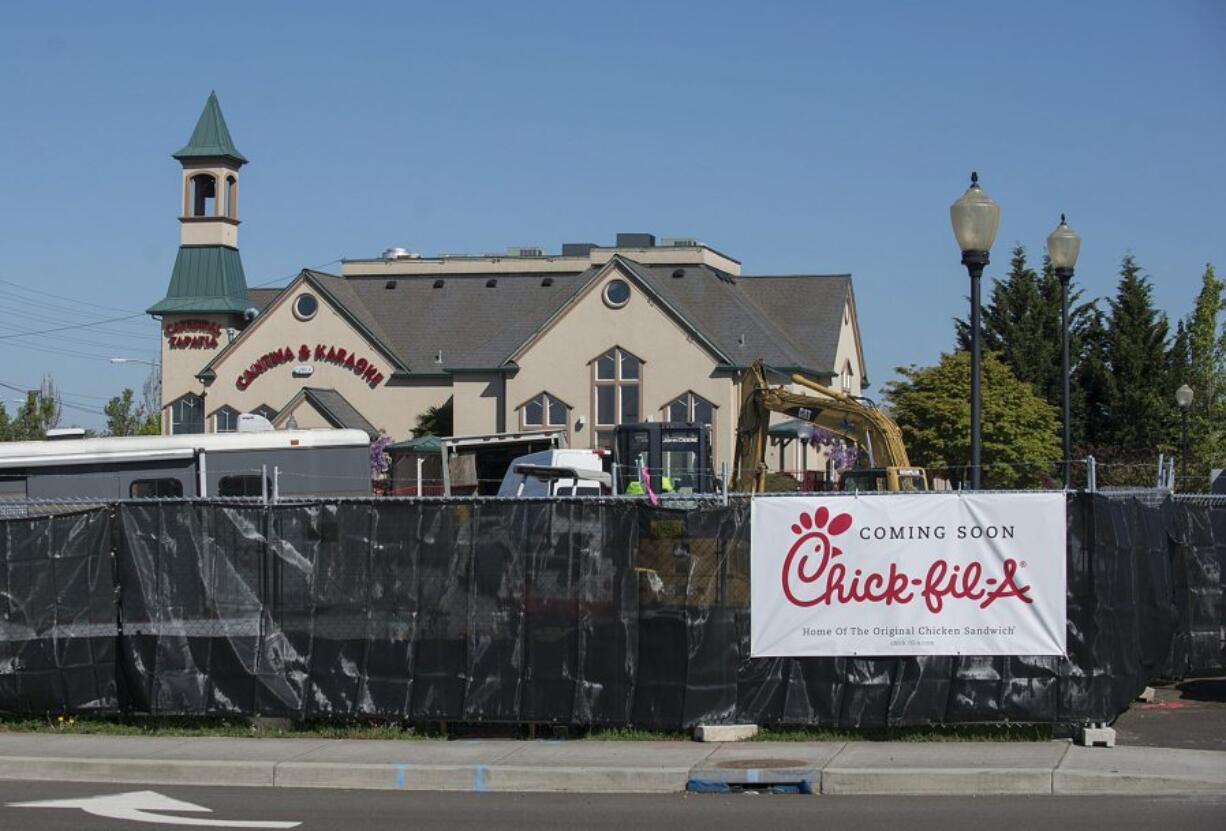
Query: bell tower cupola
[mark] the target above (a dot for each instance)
(208, 273)
(210, 181)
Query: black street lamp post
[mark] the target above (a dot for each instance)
(975, 218)
(1183, 397)
(1063, 246)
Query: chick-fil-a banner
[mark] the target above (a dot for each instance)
(908, 574)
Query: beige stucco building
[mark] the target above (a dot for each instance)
(580, 340)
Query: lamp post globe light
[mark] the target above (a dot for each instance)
(1063, 246)
(804, 432)
(975, 217)
(1183, 397)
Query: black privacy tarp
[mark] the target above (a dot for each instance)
(57, 614)
(432, 611)
(1198, 546)
(559, 611)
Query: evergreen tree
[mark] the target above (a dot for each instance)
(1177, 356)
(1197, 358)
(1092, 390)
(1140, 405)
(1022, 324)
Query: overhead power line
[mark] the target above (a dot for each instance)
(62, 297)
(62, 402)
(134, 315)
(69, 327)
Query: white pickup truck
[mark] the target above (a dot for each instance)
(566, 472)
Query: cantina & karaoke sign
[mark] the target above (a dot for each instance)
(324, 353)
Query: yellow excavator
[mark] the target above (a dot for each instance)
(852, 418)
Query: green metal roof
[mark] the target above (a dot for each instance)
(211, 138)
(422, 444)
(786, 429)
(206, 278)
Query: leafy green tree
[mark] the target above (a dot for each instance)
(151, 395)
(124, 417)
(435, 421)
(1136, 346)
(39, 413)
(5, 424)
(1021, 431)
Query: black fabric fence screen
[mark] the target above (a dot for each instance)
(563, 611)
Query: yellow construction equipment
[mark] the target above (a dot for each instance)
(852, 418)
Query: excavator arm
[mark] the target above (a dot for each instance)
(864, 425)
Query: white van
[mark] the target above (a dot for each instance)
(557, 473)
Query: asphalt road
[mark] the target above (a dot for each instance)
(1188, 715)
(376, 811)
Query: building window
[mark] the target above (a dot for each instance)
(231, 197)
(204, 194)
(247, 485)
(616, 293)
(155, 489)
(187, 415)
(617, 376)
(543, 410)
(305, 306)
(225, 420)
(845, 377)
(690, 408)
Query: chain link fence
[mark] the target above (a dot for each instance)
(561, 610)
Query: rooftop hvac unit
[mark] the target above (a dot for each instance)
(62, 433)
(525, 251)
(400, 254)
(253, 423)
(680, 242)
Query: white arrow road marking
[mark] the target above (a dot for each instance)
(138, 806)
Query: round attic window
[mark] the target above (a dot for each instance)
(305, 306)
(617, 293)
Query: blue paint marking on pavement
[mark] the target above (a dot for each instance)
(479, 784)
(752, 776)
(707, 786)
(400, 776)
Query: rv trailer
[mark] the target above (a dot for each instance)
(293, 463)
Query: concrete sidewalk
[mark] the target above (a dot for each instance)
(947, 768)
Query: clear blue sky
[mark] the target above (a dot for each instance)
(797, 137)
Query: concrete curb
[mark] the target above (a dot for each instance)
(140, 771)
(855, 768)
(481, 778)
(934, 781)
(1117, 784)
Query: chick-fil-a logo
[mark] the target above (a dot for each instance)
(834, 585)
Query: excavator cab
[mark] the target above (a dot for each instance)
(904, 479)
(677, 455)
(855, 419)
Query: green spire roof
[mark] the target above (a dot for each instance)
(207, 278)
(211, 138)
